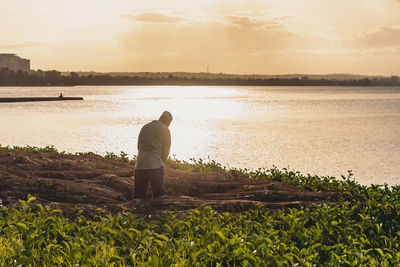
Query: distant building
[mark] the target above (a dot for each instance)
(14, 62)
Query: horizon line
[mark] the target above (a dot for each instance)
(223, 73)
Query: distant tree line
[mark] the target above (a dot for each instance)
(55, 78)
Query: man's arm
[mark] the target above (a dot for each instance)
(139, 139)
(166, 145)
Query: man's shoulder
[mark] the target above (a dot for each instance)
(150, 124)
(156, 124)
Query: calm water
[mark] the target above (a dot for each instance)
(317, 130)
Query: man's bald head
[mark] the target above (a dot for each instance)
(166, 118)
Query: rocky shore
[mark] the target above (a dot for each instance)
(89, 181)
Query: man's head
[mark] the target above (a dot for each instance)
(166, 118)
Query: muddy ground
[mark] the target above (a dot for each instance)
(89, 181)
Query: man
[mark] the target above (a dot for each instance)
(154, 144)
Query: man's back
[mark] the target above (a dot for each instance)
(153, 145)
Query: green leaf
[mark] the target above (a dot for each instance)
(56, 211)
(23, 202)
(199, 252)
(22, 226)
(31, 199)
(196, 211)
(49, 220)
(220, 235)
(250, 259)
(316, 245)
(163, 237)
(158, 242)
(380, 252)
(155, 260)
(40, 207)
(133, 230)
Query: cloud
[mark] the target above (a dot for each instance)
(228, 33)
(154, 17)
(383, 37)
(21, 45)
(242, 21)
(227, 43)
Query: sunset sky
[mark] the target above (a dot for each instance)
(231, 36)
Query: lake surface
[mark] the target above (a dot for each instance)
(316, 130)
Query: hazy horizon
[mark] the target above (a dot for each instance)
(234, 37)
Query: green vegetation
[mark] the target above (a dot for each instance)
(31, 149)
(350, 233)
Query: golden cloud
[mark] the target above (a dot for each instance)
(383, 37)
(154, 17)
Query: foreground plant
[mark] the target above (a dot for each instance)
(351, 233)
(343, 234)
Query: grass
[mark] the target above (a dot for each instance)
(366, 233)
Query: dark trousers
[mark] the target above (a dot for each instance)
(143, 177)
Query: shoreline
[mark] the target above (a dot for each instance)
(56, 78)
(206, 84)
(90, 180)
